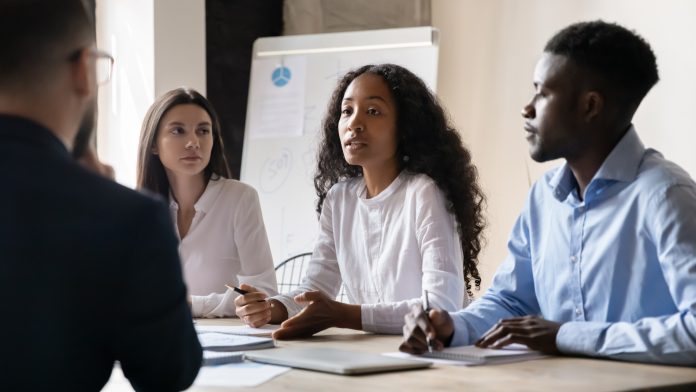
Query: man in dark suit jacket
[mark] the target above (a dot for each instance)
(89, 270)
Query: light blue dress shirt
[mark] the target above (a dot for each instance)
(618, 268)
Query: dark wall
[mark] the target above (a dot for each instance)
(232, 26)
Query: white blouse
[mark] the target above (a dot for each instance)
(226, 244)
(386, 250)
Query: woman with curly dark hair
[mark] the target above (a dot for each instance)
(400, 212)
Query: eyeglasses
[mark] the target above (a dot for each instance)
(104, 64)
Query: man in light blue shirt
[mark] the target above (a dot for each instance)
(602, 260)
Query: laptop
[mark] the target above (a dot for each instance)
(331, 360)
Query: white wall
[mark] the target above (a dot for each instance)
(158, 45)
(179, 45)
(487, 55)
(124, 29)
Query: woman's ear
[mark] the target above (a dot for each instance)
(154, 150)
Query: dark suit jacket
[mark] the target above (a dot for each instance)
(89, 275)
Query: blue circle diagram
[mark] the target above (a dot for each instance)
(281, 76)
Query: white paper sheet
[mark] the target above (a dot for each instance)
(277, 93)
(247, 374)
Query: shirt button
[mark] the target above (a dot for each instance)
(573, 259)
(578, 311)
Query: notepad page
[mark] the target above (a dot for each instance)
(486, 355)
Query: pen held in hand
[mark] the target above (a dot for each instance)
(426, 309)
(237, 289)
(243, 292)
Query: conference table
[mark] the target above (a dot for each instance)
(548, 374)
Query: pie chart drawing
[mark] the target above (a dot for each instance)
(281, 76)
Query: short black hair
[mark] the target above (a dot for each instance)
(620, 57)
(37, 33)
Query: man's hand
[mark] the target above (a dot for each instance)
(532, 331)
(437, 325)
(320, 313)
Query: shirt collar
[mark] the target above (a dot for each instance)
(624, 160)
(207, 199)
(385, 194)
(621, 164)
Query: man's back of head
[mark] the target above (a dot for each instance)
(46, 68)
(38, 34)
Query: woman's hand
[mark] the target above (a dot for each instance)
(320, 313)
(256, 310)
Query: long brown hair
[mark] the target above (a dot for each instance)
(151, 173)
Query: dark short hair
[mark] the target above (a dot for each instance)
(621, 58)
(38, 33)
(151, 173)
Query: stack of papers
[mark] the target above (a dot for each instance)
(216, 341)
(265, 331)
(214, 358)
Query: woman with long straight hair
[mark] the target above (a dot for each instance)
(218, 219)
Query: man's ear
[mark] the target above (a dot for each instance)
(592, 105)
(83, 74)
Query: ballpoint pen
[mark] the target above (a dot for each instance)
(237, 289)
(244, 292)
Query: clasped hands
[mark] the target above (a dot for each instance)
(320, 312)
(532, 331)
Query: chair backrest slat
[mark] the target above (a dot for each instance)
(291, 271)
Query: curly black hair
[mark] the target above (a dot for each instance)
(433, 148)
(622, 58)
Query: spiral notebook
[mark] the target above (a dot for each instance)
(486, 356)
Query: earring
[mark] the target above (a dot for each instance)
(405, 158)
